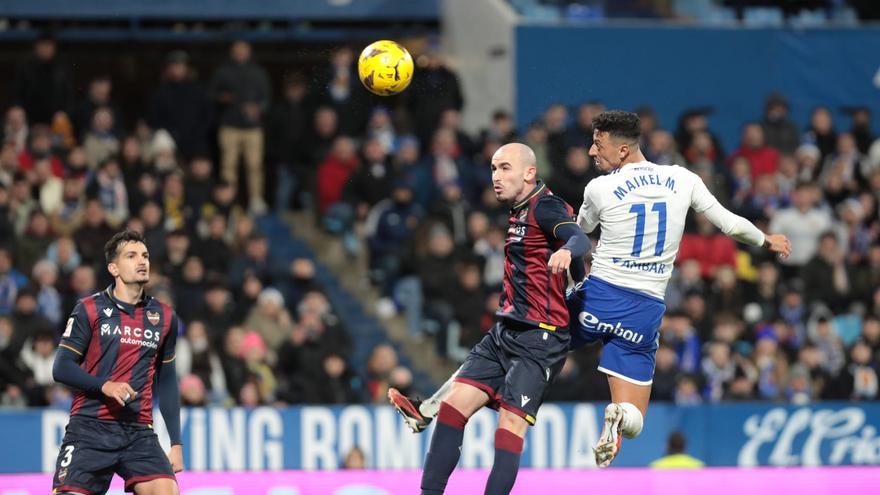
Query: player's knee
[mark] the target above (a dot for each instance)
(512, 422)
(633, 421)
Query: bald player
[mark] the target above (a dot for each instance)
(515, 363)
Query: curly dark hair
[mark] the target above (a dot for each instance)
(618, 124)
(111, 249)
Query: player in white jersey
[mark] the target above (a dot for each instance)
(641, 207)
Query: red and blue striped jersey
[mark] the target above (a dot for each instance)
(120, 342)
(531, 293)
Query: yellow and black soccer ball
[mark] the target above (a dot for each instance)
(385, 67)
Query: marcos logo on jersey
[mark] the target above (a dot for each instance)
(137, 336)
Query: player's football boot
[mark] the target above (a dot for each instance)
(409, 409)
(609, 441)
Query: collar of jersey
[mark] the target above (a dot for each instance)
(618, 169)
(124, 306)
(539, 186)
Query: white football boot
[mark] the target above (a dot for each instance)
(609, 441)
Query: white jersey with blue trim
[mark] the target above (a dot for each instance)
(642, 208)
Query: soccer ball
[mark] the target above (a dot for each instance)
(385, 68)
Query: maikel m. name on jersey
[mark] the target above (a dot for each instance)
(531, 293)
(120, 342)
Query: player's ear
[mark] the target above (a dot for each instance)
(113, 269)
(530, 173)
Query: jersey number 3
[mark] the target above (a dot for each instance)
(641, 212)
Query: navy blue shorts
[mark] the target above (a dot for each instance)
(627, 322)
(93, 450)
(515, 364)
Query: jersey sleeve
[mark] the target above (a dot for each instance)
(731, 224)
(588, 215)
(78, 332)
(550, 213)
(168, 348)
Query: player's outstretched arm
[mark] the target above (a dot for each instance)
(732, 224)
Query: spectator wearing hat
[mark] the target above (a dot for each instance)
(270, 319)
(192, 391)
(180, 106)
(259, 375)
(388, 227)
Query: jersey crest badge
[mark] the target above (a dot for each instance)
(153, 317)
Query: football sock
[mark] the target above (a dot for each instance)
(632, 422)
(444, 451)
(508, 448)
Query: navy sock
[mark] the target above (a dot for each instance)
(508, 448)
(444, 451)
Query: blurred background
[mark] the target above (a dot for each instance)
(322, 244)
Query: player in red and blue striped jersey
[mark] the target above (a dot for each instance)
(515, 363)
(115, 344)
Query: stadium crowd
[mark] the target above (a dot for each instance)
(405, 186)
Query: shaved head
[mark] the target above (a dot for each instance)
(519, 153)
(514, 169)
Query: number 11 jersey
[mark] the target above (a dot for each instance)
(642, 208)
